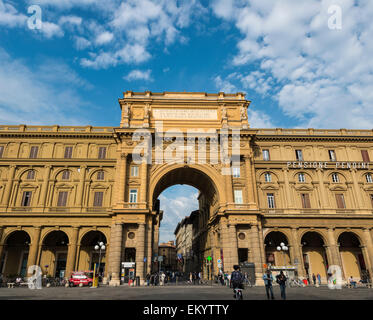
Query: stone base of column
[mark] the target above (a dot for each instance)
(114, 283)
(259, 280)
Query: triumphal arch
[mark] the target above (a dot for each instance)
(198, 139)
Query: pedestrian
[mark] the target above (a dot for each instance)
(152, 279)
(148, 279)
(319, 278)
(314, 279)
(229, 281)
(191, 278)
(199, 277)
(268, 279)
(281, 280)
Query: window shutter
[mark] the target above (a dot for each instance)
(365, 155)
(62, 199)
(97, 202)
(306, 203)
(340, 201)
(68, 152)
(34, 152)
(102, 152)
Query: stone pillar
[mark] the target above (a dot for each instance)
(258, 261)
(323, 191)
(334, 256)
(144, 181)
(369, 252)
(33, 249)
(44, 187)
(228, 185)
(298, 253)
(71, 253)
(122, 178)
(9, 184)
(149, 229)
(1, 242)
(289, 200)
(116, 238)
(80, 191)
(234, 244)
(140, 252)
(249, 181)
(225, 241)
(357, 190)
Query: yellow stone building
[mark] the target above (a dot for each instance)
(63, 189)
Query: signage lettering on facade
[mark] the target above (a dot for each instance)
(326, 165)
(172, 114)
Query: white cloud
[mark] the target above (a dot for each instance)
(81, 43)
(322, 77)
(104, 37)
(224, 85)
(139, 75)
(50, 30)
(71, 20)
(9, 16)
(28, 95)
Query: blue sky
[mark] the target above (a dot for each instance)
(296, 70)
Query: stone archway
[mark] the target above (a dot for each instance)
(314, 255)
(53, 256)
(352, 257)
(275, 257)
(88, 256)
(16, 254)
(209, 204)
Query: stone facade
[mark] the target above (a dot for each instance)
(63, 189)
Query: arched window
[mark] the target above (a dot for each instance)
(369, 178)
(31, 175)
(267, 177)
(66, 175)
(301, 177)
(335, 178)
(101, 175)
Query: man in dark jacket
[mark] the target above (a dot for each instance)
(281, 280)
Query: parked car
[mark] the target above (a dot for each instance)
(81, 279)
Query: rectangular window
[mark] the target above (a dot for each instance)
(97, 202)
(299, 155)
(31, 175)
(371, 199)
(133, 195)
(34, 152)
(134, 171)
(62, 199)
(66, 175)
(1, 151)
(236, 172)
(271, 200)
(68, 152)
(340, 201)
(332, 156)
(102, 152)
(306, 203)
(101, 175)
(238, 196)
(26, 198)
(266, 155)
(365, 155)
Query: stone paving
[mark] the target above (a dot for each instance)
(181, 292)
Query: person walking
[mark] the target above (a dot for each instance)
(314, 279)
(281, 280)
(319, 278)
(191, 278)
(268, 279)
(147, 280)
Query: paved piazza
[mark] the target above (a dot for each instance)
(181, 293)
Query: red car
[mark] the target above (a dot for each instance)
(81, 278)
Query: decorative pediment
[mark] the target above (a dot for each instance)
(303, 187)
(99, 186)
(338, 188)
(269, 186)
(28, 185)
(63, 185)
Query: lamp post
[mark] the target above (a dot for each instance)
(283, 248)
(100, 246)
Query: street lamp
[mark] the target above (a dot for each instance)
(100, 246)
(283, 248)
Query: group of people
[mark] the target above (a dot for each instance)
(161, 278)
(280, 279)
